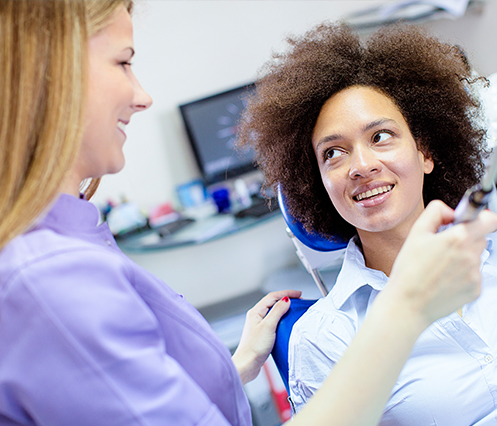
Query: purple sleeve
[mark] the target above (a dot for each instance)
(91, 351)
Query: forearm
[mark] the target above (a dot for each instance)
(359, 386)
(245, 367)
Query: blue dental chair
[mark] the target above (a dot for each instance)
(315, 252)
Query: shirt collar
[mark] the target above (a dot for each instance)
(354, 275)
(69, 213)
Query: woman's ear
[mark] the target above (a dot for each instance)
(428, 162)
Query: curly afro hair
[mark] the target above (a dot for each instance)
(428, 80)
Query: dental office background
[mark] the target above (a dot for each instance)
(187, 50)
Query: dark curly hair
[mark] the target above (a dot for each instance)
(428, 80)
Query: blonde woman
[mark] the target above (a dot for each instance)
(89, 338)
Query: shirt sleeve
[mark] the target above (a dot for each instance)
(87, 350)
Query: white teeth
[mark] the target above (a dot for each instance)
(373, 192)
(121, 125)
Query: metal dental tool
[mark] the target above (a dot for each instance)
(476, 198)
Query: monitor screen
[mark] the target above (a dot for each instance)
(211, 124)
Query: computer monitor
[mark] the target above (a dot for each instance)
(211, 124)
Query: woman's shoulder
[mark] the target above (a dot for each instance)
(53, 267)
(324, 319)
(69, 280)
(42, 244)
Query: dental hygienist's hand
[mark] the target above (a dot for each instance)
(438, 272)
(259, 333)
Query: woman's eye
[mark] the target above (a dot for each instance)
(332, 153)
(381, 136)
(125, 63)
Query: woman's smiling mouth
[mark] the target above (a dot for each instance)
(373, 192)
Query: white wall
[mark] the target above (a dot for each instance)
(187, 50)
(190, 49)
(475, 32)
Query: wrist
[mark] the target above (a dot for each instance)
(245, 365)
(395, 306)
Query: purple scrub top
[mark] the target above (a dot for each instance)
(87, 337)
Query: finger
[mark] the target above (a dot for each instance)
(279, 309)
(434, 216)
(262, 307)
(485, 223)
(476, 230)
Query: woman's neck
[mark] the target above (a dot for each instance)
(380, 249)
(71, 184)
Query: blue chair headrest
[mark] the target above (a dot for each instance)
(314, 240)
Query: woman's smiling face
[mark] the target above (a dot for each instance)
(114, 95)
(369, 162)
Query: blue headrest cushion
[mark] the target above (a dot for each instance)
(311, 240)
(283, 331)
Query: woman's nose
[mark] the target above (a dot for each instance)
(364, 162)
(142, 100)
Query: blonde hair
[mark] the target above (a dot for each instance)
(43, 64)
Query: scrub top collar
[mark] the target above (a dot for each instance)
(70, 215)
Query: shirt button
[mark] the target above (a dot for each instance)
(489, 358)
(109, 243)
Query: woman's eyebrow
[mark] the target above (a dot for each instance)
(377, 123)
(367, 127)
(328, 138)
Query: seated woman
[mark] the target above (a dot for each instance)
(362, 136)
